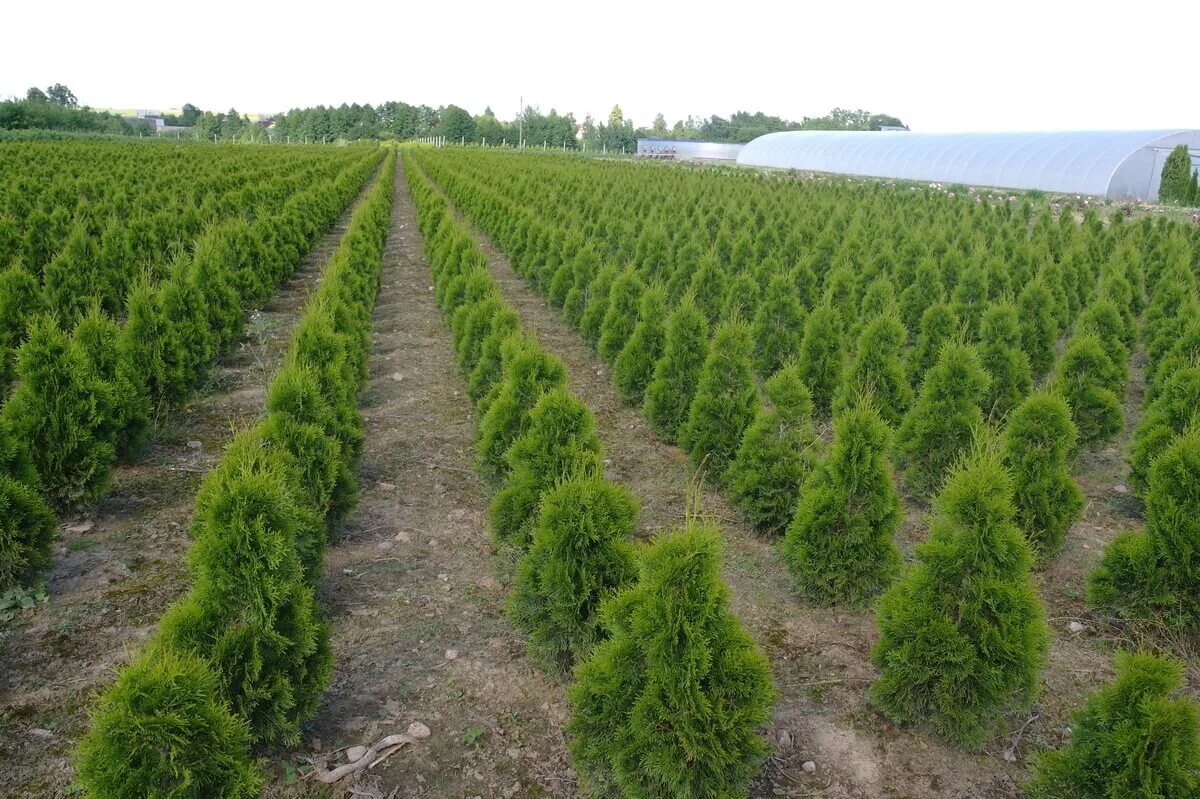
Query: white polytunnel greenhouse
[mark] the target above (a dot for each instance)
(1114, 164)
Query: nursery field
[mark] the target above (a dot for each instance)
(535, 475)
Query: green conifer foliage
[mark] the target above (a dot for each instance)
(1087, 377)
(1175, 408)
(1006, 363)
(1102, 319)
(970, 297)
(124, 402)
(581, 554)
(634, 367)
(839, 545)
(583, 270)
(776, 453)
(26, 533)
(559, 442)
(163, 730)
(1039, 330)
(963, 635)
(1156, 574)
(778, 326)
(709, 286)
(529, 373)
(822, 356)
(726, 400)
(20, 301)
(1176, 183)
(488, 368)
(667, 707)
(677, 373)
(1037, 441)
(1132, 739)
(939, 326)
(878, 371)
(596, 298)
(621, 316)
(59, 410)
(925, 291)
(944, 422)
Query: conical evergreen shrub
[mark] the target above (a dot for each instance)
(1088, 380)
(634, 367)
(970, 298)
(1132, 739)
(582, 553)
(877, 369)
(778, 326)
(126, 405)
(668, 706)
(963, 635)
(776, 453)
(1175, 408)
(1039, 437)
(60, 411)
(939, 326)
(839, 545)
(923, 293)
(26, 533)
(529, 373)
(1039, 330)
(1156, 574)
(163, 730)
(597, 297)
(558, 443)
(709, 287)
(20, 301)
(726, 400)
(945, 420)
(503, 323)
(677, 373)
(621, 316)
(822, 356)
(1004, 360)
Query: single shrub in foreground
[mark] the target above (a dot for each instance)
(1132, 739)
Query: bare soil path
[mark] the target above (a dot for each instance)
(117, 569)
(411, 588)
(820, 656)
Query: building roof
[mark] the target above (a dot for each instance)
(1118, 164)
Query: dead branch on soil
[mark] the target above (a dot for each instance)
(378, 753)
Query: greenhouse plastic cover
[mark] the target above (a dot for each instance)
(1116, 164)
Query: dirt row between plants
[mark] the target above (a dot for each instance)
(413, 590)
(117, 569)
(819, 655)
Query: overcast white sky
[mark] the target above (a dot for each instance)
(939, 66)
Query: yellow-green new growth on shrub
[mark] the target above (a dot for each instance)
(668, 707)
(963, 635)
(582, 553)
(839, 545)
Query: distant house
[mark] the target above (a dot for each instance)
(671, 149)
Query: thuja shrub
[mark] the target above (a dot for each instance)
(559, 442)
(676, 374)
(581, 554)
(669, 704)
(945, 420)
(528, 374)
(634, 366)
(1102, 319)
(726, 400)
(1175, 407)
(939, 326)
(839, 545)
(20, 301)
(1005, 362)
(621, 316)
(709, 287)
(26, 533)
(162, 729)
(963, 635)
(60, 410)
(778, 326)
(1089, 381)
(924, 292)
(126, 405)
(776, 453)
(1039, 329)
(822, 356)
(1156, 574)
(1037, 441)
(597, 297)
(878, 370)
(1136, 737)
(970, 297)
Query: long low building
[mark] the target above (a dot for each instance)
(1113, 164)
(685, 149)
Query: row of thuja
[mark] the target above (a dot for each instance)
(85, 395)
(963, 634)
(242, 659)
